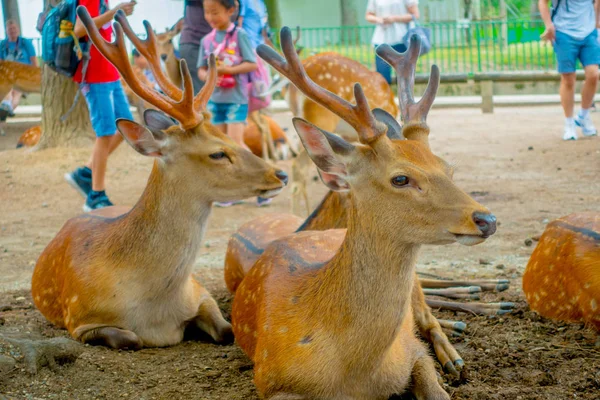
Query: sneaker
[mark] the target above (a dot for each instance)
(96, 200)
(80, 180)
(226, 204)
(570, 132)
(262, 202)
(6, 109)
(586, 124)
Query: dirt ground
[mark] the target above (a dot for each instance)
(513, 161)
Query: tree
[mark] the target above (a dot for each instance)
(274, 14)
(10, 10)
(58, 93)
(350, 34)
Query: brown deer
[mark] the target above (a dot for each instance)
(124, 279)
(328, 314)
(298, 189)
(562, 278)
(30, 137)
(22, 77)
(166, 50)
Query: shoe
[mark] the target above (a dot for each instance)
(96, 200)
(6, 110)
(226, 204)
(79, 181)
(570, 132)
(586, 125)
(262, 202)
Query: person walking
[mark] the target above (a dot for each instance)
(106, 103)
(392, 19)
(571, 25)
(194, 29)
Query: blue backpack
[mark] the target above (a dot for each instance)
(61, 49)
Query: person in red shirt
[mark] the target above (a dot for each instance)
(106, 102)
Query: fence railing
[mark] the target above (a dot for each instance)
(463, 47)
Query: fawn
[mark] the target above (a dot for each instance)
(328, 314)
(124, 279)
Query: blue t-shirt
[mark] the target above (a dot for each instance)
(20, 51)
(255, 19)
(576, 18)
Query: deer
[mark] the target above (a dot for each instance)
(327, 314)
(23, 77)
(562, 278)
(122, 277)
(298, 188)
(30, 137)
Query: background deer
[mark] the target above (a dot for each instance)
(562, 278)
(328, 314)
(124, 279)
(22, 77)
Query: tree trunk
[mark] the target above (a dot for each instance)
(274, 15)
(10, 10)
(349, 10)
(58, 93)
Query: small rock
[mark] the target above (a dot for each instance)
(44, 205)
(559, 169)
(20, 298)
(213, 374)
(528, 242)
(46, 352)
(500, 266)
(7, 364)
(483, 261)
(530, 148)
(545, 221)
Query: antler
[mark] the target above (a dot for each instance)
(413, 114)
(179, 104)
(359, 116)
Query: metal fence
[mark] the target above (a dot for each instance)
(463, 47)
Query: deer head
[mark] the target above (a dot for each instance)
(399, 179)
(180, 135)
(166, 48)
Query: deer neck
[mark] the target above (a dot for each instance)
(330, 214)
(164, 230)
(366, 287)
(172, 65)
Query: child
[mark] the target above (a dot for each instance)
(235, 60)
(106, 102)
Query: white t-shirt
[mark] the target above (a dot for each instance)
(390, 33)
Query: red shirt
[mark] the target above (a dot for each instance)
(99, 69)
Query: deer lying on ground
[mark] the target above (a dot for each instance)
(562, 278)
(328, 315)
(124, 279)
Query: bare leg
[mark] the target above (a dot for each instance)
(425, 382)
(589, 86)
(99, 161)
(112, 337)
(236, 133)
(430, 329)
(210, 320)
(115, 141)
(16, 98)
(567, 93)
(222, 128)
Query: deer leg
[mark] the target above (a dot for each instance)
(110, 336)
(475, 308)
(497, 285)
(431, 330)
(425, 384)
(469, 292)
(210, 320)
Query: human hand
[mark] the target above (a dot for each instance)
(550, 33)
(223, 70)
(388, 20)
(127, 7)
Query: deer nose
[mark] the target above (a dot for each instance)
(282, 176)
(164, 57)
(485, 222)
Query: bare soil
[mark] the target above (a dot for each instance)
(513, 161)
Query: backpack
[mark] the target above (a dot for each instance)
(61, 49)
(258, 80)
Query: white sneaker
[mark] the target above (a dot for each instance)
(570, 132)
(586, 124)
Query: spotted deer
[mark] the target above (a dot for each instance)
(22, 77)
(562, 278)
(122, 278)
(328, 314)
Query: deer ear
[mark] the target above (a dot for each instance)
(158, 122)
(175, 29)
(394, 130)
(324, 148)
(140, 138)
(334, 182)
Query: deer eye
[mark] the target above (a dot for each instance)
(218, 155)
(400, 180)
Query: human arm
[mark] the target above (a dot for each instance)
(248, 63)
(103, 19)
(597, 12)
(550, 32)
(371, 15)
(243, 68)
(413, 13)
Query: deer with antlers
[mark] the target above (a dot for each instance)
(123, 279)
(328, 314)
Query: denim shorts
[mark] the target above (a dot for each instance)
(228, 113)
(106, 103)
(568, 50)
